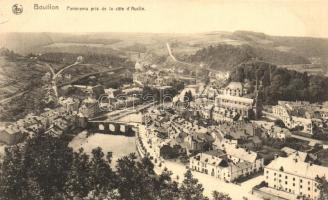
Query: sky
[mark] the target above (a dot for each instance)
(274, 17)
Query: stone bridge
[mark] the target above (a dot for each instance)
(111, 127)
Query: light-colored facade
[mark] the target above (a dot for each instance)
(285, 114)
(213, 164)
(234, 89)
(282, 113)
(294, 176)
(227, 165)
(241, 105)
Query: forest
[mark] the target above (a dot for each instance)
(226, 57)
(282, 84)
(57, 173)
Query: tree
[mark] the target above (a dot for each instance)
(47, 161)
(102, 178)
(78, 183)
(188, 97)
(323, 187)
(137, 179)
(279, 123)
(190, 188)
(220, 196)
(165, 187)
(13, 178)
(168, 152)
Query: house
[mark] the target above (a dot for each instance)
(199, 142)
(89, 108)
(12, 134)
(223, 165)
(279, 133)
(224, 115)
(238, 155)
(293, 115)
(70, 105)
(212, 163)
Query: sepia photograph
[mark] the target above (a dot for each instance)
(164, 100)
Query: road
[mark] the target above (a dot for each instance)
(308, 139)
(7, 100)
(174, 58)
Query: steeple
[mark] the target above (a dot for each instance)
(258, 102)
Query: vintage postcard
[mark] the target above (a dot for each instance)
(164, 100)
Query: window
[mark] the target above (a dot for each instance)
(286, 182)
(275, 173)
(301, 186)
(293, 184)
(279, 175)
(301, 180)
(293, 179)
(286, 177)
(309, 188)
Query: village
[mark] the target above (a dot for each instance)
(206, 123)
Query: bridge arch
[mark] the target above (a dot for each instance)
(101, 127)
(122, 128)
(111, 127)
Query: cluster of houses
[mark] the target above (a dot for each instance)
(228, 104)
(228, 150)
(55, 122)
(301, 115)
(228, 164)
(150, 74)
(214, 150)
(174, 130)
(76, 106)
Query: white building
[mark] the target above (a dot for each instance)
(214, 164)
(292, 175)
(241, 105)
(288, 113)
(227, 165)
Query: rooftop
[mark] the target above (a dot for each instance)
(235, 98)
(299, 168)
(235, 85)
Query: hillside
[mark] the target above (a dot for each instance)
(304, 46)
(220, 50)
(226, 57)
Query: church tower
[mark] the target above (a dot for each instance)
(258, 106)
